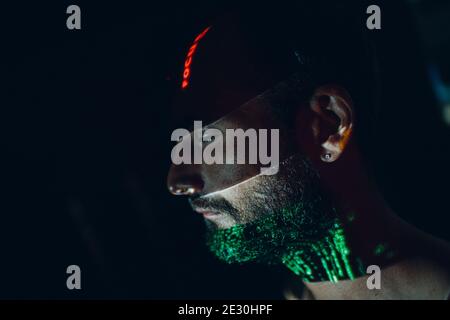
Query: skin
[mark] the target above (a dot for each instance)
(323, 126)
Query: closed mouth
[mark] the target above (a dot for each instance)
(208, 213)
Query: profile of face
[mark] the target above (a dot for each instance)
(288, 206)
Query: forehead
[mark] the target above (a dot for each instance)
(230, 65)
(211, 108)
(254, 114)
(218, 85)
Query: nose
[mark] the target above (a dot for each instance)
(184, 184)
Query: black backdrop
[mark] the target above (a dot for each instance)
(84, 138)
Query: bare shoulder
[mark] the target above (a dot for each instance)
(296, 292)
(430, 270)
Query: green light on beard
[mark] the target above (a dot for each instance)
(333, 254)
(312, 246)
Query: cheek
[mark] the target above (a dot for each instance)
(253, 198)
(221, 177)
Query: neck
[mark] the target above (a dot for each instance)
(351, 245)
(390, 250)
(335, 266)
(367, 233)
(326, 259)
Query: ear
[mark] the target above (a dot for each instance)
(333, 120)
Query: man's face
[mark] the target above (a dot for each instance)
(228, 194)
(233, 196)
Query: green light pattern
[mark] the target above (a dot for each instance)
(328, 257)
(314, 249)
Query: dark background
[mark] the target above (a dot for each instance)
(84, 136)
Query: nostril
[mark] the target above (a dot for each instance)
(186, 186)
(179, 191)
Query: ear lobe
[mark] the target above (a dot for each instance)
(334, 110)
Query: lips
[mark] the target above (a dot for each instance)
(207, 213)
(213, 208)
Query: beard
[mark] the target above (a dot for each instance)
(273, 215)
